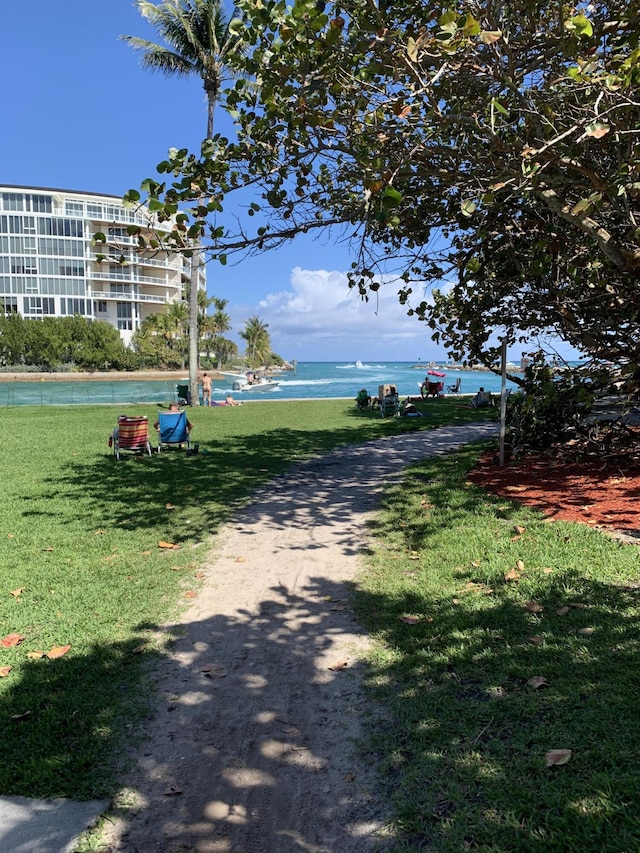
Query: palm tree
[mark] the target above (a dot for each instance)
(258, 350)
(197, 42)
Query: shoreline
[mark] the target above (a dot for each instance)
(107, 376)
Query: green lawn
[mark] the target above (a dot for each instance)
(458, 732)
(469, 597)
(81, 565)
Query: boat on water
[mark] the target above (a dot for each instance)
(259, 384)
(249, 381)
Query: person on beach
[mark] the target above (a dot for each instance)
(174, 407)
(481, 399)
(206, 389)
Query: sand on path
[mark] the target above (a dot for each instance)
(252, 748)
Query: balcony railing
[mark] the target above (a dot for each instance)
(109, 296)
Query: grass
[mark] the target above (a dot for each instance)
(81, 565)
(460, 732)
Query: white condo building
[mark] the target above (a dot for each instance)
(49, 262)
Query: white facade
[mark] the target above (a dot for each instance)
(49, 261)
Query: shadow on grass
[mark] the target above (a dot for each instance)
(65, 720)
(464, 748)
(135, 491)
(464, 751)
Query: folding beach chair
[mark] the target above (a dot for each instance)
(455, 389)
(390, 406)
(173, 429)
(183, 394)
(132, 435)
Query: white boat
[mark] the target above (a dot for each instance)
(243, 384)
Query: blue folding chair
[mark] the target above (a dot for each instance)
(172, 429)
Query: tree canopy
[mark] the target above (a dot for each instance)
(484, 155)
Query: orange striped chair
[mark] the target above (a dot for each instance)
(132, 435)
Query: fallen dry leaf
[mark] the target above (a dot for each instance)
(520, 565)
(519, 530)
(562, 611)
(538, 681)
(533, 607)
(16, 592)
(547, 570)
(146, 553)
(19, 717)
(4, 671)
(36, 654)
(58, 652)
(586, 632)
(336, 667)
(47, 549)
(578, 605)
(537, 640)
(191, 594)
(138, 649)
(11, 640)
(349, 777)
(475, 564)
(172, 791)
(512, 575)
(557, 757)
(169, 546)
(241, 559)
(169, 506)
(410, 620)
(214, 670)
(290, 730)
(200, 575)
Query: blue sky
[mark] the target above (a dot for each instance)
(78, 112)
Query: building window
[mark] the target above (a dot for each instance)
(60, 227)
(94, 210)
(37, 305)
(124, 315)
(12, 201)
(100, 306)
(58, 246)
(24, 266)
(9, 304)
(73, 208)
(72, 306)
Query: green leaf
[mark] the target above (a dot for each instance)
(468, 207)
(391, 197)
(581, 25)
(495, 103)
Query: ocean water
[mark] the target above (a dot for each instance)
(309, 381)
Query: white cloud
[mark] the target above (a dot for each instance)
(319, 318)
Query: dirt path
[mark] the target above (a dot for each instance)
(262, 759)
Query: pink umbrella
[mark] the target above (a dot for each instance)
(435, 373)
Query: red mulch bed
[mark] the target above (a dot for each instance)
(570, 491)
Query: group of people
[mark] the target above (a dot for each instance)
(205, 381)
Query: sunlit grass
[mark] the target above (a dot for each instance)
(81, 564)
(465, 736)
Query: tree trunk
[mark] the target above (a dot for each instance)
(193, 326)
